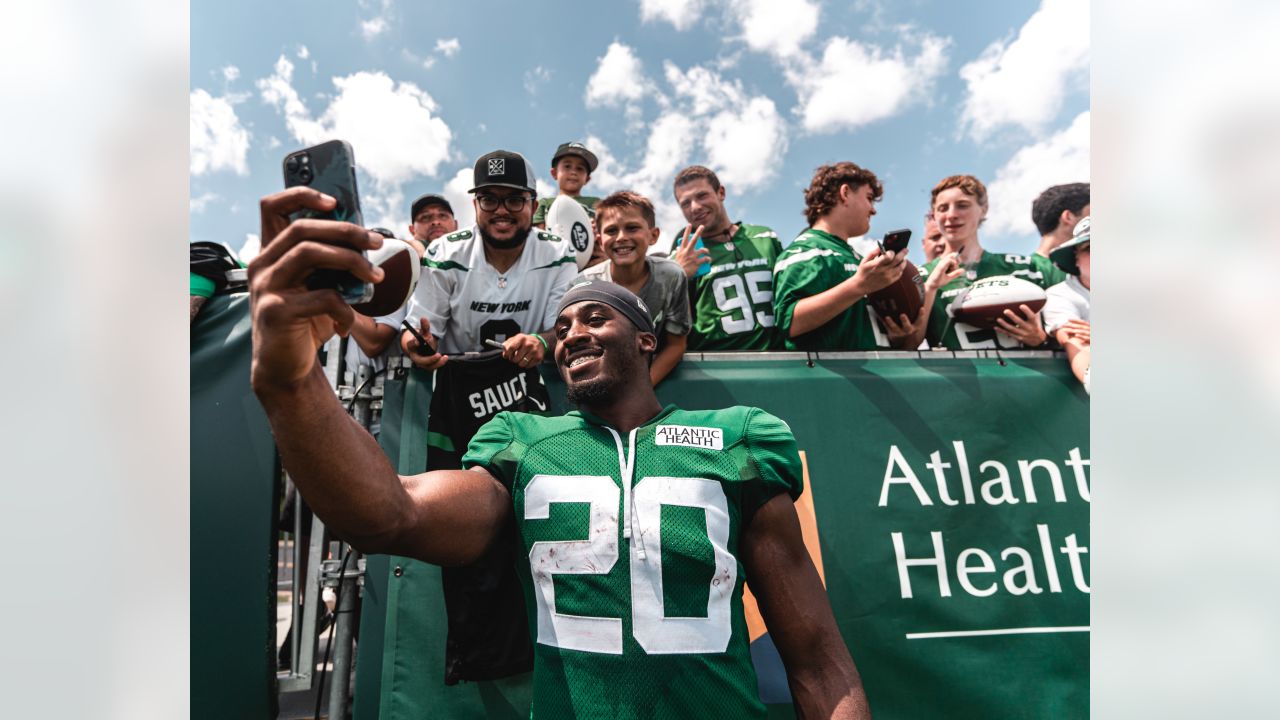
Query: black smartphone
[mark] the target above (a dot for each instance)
(330, 167)
(425, 348)
(895, 241)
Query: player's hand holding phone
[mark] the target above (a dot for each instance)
(291, 320)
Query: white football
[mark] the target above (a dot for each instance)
(986, 300)
(402, 266)
(567, 218)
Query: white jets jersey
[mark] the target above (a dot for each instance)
(467, 301)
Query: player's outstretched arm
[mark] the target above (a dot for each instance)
(340, 470)
(823, 679)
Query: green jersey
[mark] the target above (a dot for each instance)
(945, 332)
(813, 263)
(634, 579)
(544, 204)
(733, 303)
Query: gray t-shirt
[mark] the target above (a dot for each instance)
(666, 292)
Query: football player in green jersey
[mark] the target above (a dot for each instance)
(731, 278)
(959, 207)
(820, 284)
(640, 523)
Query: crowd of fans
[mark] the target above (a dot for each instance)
(727, 285)
(720, 284)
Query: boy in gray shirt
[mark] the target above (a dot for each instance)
(625, 227)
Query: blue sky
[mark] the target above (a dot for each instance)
(762, 91)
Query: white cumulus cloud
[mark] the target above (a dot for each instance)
(303, 52)
(682, 14)
(448, 46)
(201, 203)
(535, 77)
(230, 73)
(704, 119)
(619, 78)
(218, 140)
(747, 144)
(1024, 82)
(855, 84)
(372, 28)
(249, 250)
(743, 137)
(777, 27)
(1060, 158)
(455, 191)
(394, 129)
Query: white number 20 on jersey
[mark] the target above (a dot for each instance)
(653, 630)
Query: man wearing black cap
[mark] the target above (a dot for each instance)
(571, 168)
(587, 492)
(499, 280)
(430, 217)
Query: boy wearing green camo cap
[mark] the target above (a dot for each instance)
(571, 168)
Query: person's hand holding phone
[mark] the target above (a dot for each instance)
(688, 254)
(419, 345)
(290, 320)
(880, 269)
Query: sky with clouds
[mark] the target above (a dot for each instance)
(761, 91)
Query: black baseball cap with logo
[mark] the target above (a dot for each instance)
(503, 168)
(428, 199)
(578, 149)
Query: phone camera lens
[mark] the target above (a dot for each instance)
(305, 176)
(304, 159)
(291, 164)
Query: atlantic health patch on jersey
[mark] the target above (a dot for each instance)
(707, 438)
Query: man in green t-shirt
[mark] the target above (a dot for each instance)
(640, 523)
(731, 278)
(820, 284)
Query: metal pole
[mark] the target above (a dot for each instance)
(348, 588)
(360, 411)
(295, 624)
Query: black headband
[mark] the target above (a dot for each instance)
(613, 295)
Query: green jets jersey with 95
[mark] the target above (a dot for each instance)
(733, 302)
(634, 582)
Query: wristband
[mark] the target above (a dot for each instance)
(545, 349)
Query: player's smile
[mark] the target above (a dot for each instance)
(586, 357)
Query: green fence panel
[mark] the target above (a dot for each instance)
(234, 501)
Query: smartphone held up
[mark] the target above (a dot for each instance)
(330, 168)
(895, 241)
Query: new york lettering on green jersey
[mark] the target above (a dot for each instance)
(733, 303)
(945, 332)
(813, 263)
(633, 582)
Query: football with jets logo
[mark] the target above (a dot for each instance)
(986, 300)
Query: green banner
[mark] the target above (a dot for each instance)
(951, 497)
